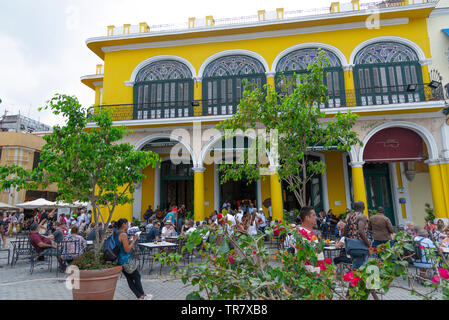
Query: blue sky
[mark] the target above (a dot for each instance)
(43, 50)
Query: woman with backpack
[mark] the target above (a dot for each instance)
(124, 259)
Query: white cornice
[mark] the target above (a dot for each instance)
(145, 122)
(92, 76)
(437, 12)
(386, 107)
(254, 35)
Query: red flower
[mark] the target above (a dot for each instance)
(304, 233)
(422, 247)
(355, 281)
(231, 260)
(443, 273)
(322, 267)
(327, 261)
(436, 279)
(254, 252)
(347, 277)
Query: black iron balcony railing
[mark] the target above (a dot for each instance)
(338, 99)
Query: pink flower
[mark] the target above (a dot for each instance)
(436, 279)
(322, 267)
(422, 247)
(254, 252)
(327, 261)
(443, 273)
(231, 260)
(214, 256)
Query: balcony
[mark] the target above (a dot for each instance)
(377, 96)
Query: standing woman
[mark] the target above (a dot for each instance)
(129, 268)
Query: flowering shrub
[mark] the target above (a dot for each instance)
(239, 266)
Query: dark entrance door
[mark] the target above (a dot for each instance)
(378, 188)
(176, 185)
(235, 192)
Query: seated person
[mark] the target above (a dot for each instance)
(168, 230)
(421, 261)
(149, 225)
(43, 244)
(73, 245)
(92, 235)
(132, 231)
(290, 242)
(153, 233)
(445, 241)
(343, 258)
(58, 234)
(190, 227)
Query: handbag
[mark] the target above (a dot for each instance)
(130, 267)
(355, 247)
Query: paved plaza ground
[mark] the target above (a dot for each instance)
(16, 283)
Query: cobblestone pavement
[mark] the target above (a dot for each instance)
(17, 283)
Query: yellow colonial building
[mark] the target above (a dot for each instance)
(171, 85)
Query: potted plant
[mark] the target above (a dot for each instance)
(87, 165)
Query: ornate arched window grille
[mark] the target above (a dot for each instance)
(222, 82)
(387, 72)
(163, 89)
(297, 62)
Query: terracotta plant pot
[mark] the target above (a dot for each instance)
(97, 284)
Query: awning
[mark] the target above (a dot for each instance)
(446, 31)
(394, 144)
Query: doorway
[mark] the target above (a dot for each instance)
(378, 188)
(176, 185)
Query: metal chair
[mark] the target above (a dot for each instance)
(67, 251)
(21, 247)
(35, 259)
(422, 260)
(6, 250)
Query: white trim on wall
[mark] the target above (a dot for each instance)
(157, 185)
(346, 179)
(139, 144)
(137, 203)
(335, 50)
(231, 52)
(216, 188)
(148, 61)
(421, 56)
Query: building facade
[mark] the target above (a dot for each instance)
(22, 149)
(172, 86)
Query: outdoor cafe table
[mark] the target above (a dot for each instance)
(331, 251)
(162, 244)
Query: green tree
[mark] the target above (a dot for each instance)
(86, 164)
(300, 125)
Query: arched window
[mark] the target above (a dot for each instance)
(163, 89)
(387, 72)
(222, 82)
(296, 62)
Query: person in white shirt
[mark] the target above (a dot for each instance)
(290, 242)
(239, 215)
(190, 226)
(168, 230)
(230, 218)
(253, 225)
(251, 209)
(262, 220)
(270, 213)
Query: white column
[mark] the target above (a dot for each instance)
(157, 185)
(216, 189)
(259, 194)
(137, 204)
